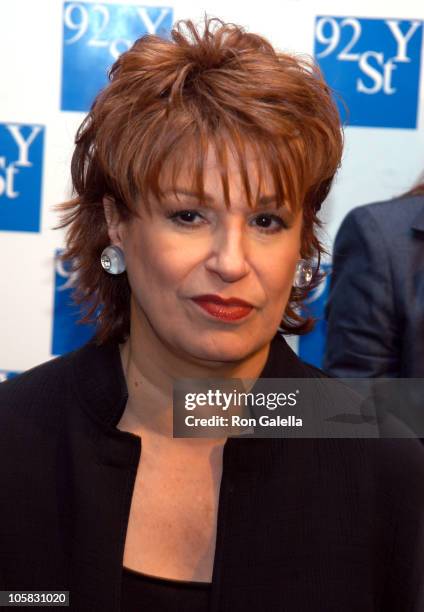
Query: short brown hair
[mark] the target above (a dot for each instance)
(221, 86)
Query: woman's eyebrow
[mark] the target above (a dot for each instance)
(262, 201)
(267, 200)
(191, 194)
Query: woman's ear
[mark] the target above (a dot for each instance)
(114, 223)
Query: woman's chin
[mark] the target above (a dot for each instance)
(224, 351)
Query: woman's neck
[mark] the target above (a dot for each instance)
(151, 369)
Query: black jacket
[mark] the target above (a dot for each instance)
(375, 309)
(304, 525)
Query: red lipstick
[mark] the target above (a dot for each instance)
(227, 309)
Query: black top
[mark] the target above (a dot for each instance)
(303, 524)
(144, 593)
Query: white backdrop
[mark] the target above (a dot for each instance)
(379, 162)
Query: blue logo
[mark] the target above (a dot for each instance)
(21, 169)
(311, 347)
(94, 35)
(7, 375)
(68, 334)
(374, 65)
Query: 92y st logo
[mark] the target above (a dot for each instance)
(374, 65)
(21, 166)
(94, 35)
(67, 334)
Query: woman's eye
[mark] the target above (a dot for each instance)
(185, 218)
(269, 223)
(265, 222)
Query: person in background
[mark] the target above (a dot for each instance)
(375, 310)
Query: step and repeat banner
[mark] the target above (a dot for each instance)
(55, 56)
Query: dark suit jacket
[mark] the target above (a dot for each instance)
(304, 525)
(375, 310)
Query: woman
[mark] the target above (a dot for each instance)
(198, 173)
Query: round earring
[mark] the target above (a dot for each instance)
(303, 274)
(113, 260)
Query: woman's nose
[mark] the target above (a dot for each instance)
(228, 256)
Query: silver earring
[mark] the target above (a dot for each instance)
(303, 274)
(113, 260)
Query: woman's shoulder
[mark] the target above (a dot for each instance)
(283, 362)
(88, 380)
(391, 456)
(42, 390)
(40, 378)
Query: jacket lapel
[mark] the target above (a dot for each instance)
(252, 473)
(103, 465)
